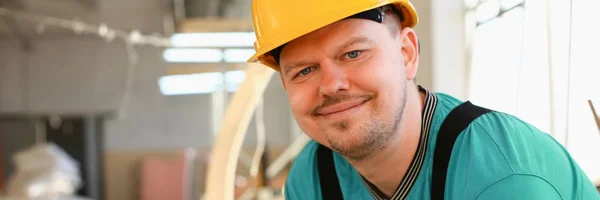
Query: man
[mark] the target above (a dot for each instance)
(349, 69)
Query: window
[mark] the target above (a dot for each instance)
(203, 48)
(229, 47)
(530, 61)
(203, 83)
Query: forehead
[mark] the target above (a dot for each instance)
(329, 36)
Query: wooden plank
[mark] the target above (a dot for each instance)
(215, 25)
(225, 153)
(179, 69)
(596, 117)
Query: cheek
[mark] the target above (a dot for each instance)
(389, 71)
(383, 75)
(378, 75)
(302, 100)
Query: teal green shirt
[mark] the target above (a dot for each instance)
(496, 157)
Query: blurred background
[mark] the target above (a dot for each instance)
(125, 100)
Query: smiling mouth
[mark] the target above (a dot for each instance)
(341, 108)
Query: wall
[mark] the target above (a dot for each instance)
(68, 73)
(423, 30)
(85, 74)
(449, 59)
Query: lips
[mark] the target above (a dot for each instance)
(340, 107)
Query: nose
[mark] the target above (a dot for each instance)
(333, 80)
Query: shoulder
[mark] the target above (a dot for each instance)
(499, 148)
(303, 181)
(519, 143)
(503, 136)
(531, 155)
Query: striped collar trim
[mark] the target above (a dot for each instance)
(415, 166)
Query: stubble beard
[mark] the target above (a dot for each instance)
(370, 137)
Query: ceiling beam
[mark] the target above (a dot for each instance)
(17, 32)
(214, 25)
(14, 4)
(13, 26)
(88, 4)
(181, 69)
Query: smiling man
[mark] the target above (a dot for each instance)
(349, 70)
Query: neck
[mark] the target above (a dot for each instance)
(386, 167)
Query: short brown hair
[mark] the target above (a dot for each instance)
(392, 18)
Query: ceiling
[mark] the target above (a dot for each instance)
(148, 16)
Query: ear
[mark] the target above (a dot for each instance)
(410, 52)
(282, 82)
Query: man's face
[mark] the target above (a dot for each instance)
(346, 84)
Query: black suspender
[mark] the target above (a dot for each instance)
(330, 185)
(458, 119)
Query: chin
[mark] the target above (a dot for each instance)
(358, 138)
(350, 142)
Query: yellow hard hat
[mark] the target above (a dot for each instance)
(277, 22)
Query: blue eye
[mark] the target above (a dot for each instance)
(305, 71)
(353, 54)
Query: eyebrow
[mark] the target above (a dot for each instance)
(289, 67)
(350, 42)
(355, 40)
